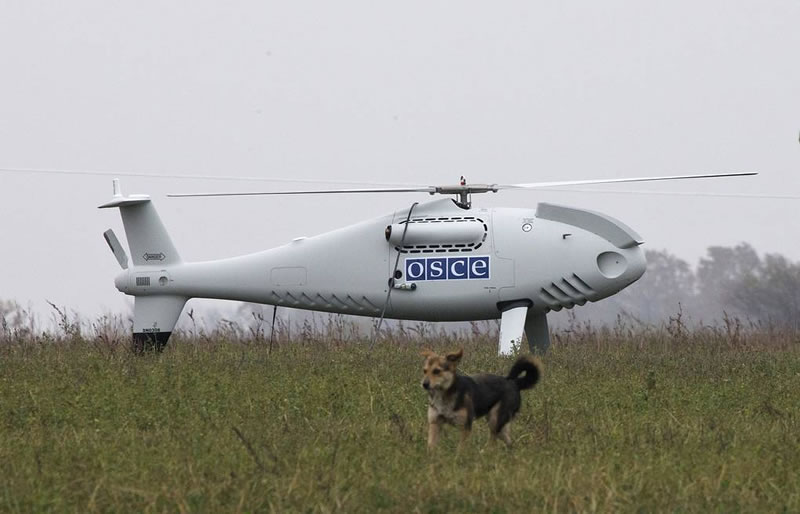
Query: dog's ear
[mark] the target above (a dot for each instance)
(426, 353)
(455, 356)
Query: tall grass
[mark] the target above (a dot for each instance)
(628, 418)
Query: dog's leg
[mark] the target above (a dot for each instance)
(465, 433)
(434, 426)
(433, 434)
(492, 420)
(464, 417)
(505, 434)
(464, 420)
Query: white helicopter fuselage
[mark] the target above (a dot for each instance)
(444, 261)
(454, 264)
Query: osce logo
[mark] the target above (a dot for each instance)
(447, 268)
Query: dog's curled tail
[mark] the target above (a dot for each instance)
(532, 369)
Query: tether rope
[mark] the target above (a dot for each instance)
(391, 278)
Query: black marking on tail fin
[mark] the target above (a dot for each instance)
(150, 341)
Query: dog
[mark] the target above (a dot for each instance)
(458, 399)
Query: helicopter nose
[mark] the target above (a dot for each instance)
(607, 271)
(605, 257)
(615, 269)
(625, 266)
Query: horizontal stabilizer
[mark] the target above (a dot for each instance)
(121, 202)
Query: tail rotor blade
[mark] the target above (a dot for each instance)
(116, 248)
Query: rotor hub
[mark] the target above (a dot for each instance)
(463, 191)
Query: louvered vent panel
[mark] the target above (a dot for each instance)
(446, 248)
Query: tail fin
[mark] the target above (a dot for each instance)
(148, 240)
(532, 369)
(154, 315)
(154, 318)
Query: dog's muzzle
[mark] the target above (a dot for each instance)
(426, 384)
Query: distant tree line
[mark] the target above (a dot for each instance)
(728, 281)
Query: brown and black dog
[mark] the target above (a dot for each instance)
(459, 400)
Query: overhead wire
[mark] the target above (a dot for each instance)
(186, 176)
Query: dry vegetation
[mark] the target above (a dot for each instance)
(625, 419)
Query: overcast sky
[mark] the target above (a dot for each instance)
(409, 92)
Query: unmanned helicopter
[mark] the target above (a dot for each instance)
(441, 260)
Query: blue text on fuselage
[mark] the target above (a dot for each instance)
(447, 268)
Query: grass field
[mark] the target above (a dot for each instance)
(623, 420)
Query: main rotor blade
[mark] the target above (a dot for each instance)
(465, 188)
(537, 185)
(765, 196)
(110, 173)
(430, 190)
